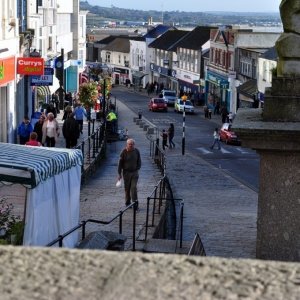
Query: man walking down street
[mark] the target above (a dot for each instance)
(129, 166)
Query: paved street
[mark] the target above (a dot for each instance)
(219, 208)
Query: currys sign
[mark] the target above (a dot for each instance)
(30, 66)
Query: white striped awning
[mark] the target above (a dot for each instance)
(31, 165)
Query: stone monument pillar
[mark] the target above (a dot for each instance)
(275, 133)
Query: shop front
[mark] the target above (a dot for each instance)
(217, 90)
(165, 77)
(7, 92)
(120, 75)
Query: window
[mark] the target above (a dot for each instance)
(107, 57)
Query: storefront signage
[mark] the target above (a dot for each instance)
(120, 70)
(187, 76)
(217, 81)
(30, 66)
(45, 80)
(7, 70)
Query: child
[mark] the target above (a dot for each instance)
(164, 136)
(33, 140)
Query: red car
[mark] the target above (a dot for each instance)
(228, 136)
(157, 104)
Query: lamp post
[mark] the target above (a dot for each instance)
(184, 98)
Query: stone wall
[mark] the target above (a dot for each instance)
(44, 273)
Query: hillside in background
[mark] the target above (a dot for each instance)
(182, 18)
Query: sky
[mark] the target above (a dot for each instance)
(194, 5)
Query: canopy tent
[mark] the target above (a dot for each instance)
(52, 177)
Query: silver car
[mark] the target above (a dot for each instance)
(169, 97)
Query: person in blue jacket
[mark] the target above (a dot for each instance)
(24, 130)
(80, 113)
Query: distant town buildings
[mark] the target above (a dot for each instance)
(228, 64)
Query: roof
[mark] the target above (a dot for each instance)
(111, 38)
(118, 45)
(31, 165)
(249, 88)
(195, 38)
(168, 40)
(157, 31)
(270, 54)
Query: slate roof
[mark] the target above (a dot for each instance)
(111, 38)
(196, 38)
(118, 45)
(169, 40)
(270, 54)
(158, 30)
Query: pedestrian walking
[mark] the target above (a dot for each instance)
(24, 130)
(38, 128)
(128, 168)
(216, 139)
(171, 132)
(71, 131)
(50, 131)
(224, 114)
(164, 136)
(33, 140)
(80, 113)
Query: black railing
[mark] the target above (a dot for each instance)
(93, 149)
(197, 247)
(82, 225)
(162, 193)
(158, 155)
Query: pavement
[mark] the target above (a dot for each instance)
(222, 210)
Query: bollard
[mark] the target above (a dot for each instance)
(140, 114)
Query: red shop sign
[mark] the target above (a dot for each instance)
(30, 66)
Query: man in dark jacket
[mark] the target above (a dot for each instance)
(71, 131)
(129, 166)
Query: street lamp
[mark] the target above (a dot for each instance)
(183, 98)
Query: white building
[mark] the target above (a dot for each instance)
(9, 50)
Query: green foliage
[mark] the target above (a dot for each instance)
(10, 224)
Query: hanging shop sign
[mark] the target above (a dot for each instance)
(30, 66)
(45, 80)
(7, 70)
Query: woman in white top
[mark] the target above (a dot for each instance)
(50, 131)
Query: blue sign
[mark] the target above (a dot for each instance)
(43, 80)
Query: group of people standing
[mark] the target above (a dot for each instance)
(46, 130)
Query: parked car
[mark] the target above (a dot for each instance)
(157, 104)
(228, 136)
(169, 96)
(189, 107)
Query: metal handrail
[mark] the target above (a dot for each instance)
(82, 225)
(159, 193)
(197, 247)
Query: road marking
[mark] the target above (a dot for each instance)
(223, 150)
(241, 150)
(204, 150)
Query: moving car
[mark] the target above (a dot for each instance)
(169, 96)
(157, 104)
(228, 136)
(189, 107)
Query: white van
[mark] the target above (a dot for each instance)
(169, 97)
